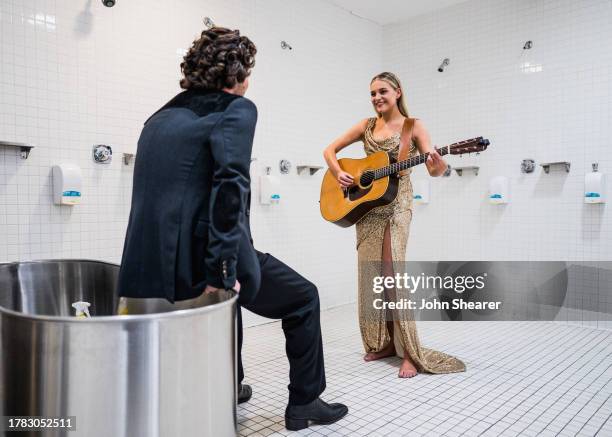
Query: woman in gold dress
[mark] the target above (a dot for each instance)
(383, 233)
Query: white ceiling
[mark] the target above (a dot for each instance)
(392, 11)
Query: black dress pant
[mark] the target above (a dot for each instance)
(285, 294)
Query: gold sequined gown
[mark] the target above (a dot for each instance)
(370, 235)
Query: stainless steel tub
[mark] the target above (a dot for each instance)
(169, 373)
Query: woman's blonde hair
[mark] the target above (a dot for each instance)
(392, 80)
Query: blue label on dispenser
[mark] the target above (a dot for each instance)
(417, 196)
(275, 196)
(592, 195)
(495, 196)
(71, 194)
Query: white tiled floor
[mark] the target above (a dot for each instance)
(523, 379)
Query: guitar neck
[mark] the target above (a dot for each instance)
(396, 167)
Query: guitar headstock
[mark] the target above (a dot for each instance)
(473, 145)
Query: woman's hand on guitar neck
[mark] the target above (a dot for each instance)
(435, 164)
(344, 179)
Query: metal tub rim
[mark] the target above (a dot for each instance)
(109, 319)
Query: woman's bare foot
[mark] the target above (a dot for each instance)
(388, 351)
(407, 369)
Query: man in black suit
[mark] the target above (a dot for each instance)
(188, 230)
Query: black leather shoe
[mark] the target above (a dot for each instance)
(317, 412)
(244, 393)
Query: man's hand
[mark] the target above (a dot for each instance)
(211, 289)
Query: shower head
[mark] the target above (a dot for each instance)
(108, 3)
(444, 63)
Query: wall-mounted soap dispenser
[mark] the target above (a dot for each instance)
(421, 191)
(499, 190)
(269, 189)
(594, 186)
(67, 182)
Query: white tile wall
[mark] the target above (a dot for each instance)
(75, 73)
(550, 103)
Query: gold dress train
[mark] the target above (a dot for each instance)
(370, 235)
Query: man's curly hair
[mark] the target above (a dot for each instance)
(219, 59)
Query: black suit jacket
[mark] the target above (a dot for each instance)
(190, 197)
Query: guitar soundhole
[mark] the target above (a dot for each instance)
(355, 193)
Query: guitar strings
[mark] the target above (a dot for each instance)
(419, 159)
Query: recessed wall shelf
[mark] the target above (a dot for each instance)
(473, 168)
(128, 157)
(311, 168)
(546, 165)
(24, 149)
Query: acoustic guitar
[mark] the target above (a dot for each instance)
(376, 182)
